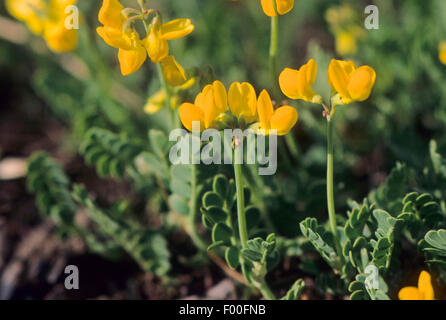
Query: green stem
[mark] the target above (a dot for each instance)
(193, 232)
(330, 192)
(266, 291)
(273, 49)
(238, 153)
(274, 44)
(292, 145)
(173, 117)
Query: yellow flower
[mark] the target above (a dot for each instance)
(28, 12)
(282, 6)
(209, 105)
(282, 119)
(173, 72)
(424, 291)
(296, 84)
(156, 102)
(351, 83)
(156, 40)
(243, 101)
(46, 18)
(346, 43)
(442, 52)
(132, 53)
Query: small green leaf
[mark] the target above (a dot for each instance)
(179, 204)
(220, 185)
(232, 257)
(212, 199)
(221, 232)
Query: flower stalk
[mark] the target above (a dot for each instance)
(330, 189)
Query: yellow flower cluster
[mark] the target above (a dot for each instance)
(118, 31)
(349, 83)
(214, 105)
(424, 291)
(46, 18)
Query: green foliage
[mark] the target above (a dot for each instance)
(110, 153)
(295, 291)
(148, 247)
(389, 194)
(48, 181)
(321, 240)
(434, 247)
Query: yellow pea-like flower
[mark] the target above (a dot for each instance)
(296, 84)
(46, 18)
(424, 291)
(209, 105)
(282, 6)
(351, 83)
(173, 72)
(157, 101)
(242, 100)
(156, 41)
(442, 52)
(131, 60)
(282, 119)
(132, 54)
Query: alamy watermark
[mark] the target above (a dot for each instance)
(372, 20)
(218, 147)
(72, 19)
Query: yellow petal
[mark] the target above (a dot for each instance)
(114, 38)
(265, 109)
(425, 286)
(442, 52)
(190, 113)
(409, 293)
(156, 46)
(361, 83)
(288, 81)
(311, 71)
(59, 38)
(22, 10)
(155, 102)
(338, 79)
(131, 60)
(173, 72)
(268, 8)
(176, 29)
(110, 14)
(243, 101)
(220, 96)
(284, 6)
(283, 120)
(208, 106)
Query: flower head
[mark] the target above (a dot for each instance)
(46, 18)
(351, 83)
(281, 120)
(274, 7)
(209, 105)
(243, 101)
(119, 32)
(424, 291)
(296, 84)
